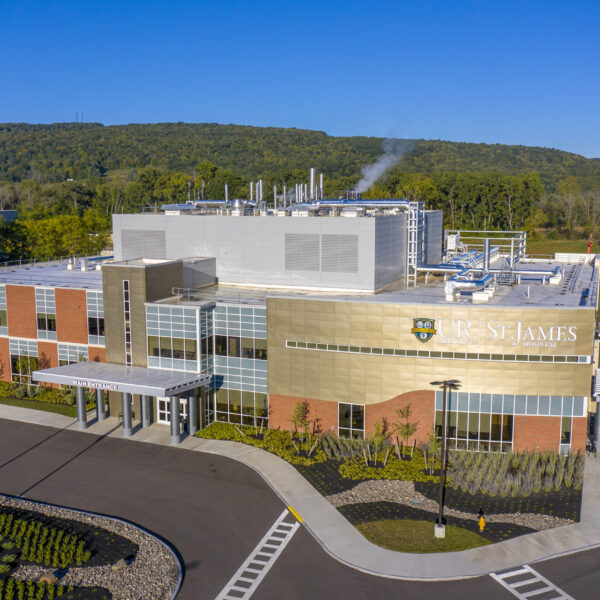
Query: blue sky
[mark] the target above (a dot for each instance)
(507, 72)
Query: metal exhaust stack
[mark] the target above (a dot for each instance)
(486, 255)
(312, 183)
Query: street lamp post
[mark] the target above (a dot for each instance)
(439, 529)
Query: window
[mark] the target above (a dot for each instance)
(3, 319)
(260, 349)
(476, 431)
(71, 353)
(221, 345)
(22, 367)
(245, 407)
(247, 348)
(565, 430)
(207, 346)
(127, 322)
(96, 326)
(351, 420)
(233, 346)
(437, 354)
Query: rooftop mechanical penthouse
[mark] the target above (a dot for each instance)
(228, 312)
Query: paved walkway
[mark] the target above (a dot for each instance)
(339, 538)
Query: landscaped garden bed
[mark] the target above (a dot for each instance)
(383, 480)
(56, 400)
(48, 552)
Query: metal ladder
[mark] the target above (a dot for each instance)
(415, 241)
(247, 578)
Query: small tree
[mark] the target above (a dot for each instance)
(300, 419)
(405, 428)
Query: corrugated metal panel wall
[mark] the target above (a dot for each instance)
(139, 243)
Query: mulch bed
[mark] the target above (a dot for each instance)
(107, 547)
(378, 511)
(565, 503)
(326, 478)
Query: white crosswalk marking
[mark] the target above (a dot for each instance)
(524, 576)
(247, 578)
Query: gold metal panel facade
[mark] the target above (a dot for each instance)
(363, 378)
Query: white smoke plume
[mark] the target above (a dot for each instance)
(393, 151)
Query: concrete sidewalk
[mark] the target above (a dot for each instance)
(339, 538)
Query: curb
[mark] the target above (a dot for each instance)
(166, 544)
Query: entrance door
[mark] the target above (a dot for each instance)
(163, 412)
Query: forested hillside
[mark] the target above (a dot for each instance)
(82, 150)
(66, 180)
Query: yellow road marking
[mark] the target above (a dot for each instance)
(295, 514)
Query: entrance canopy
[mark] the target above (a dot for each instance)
(122, 378)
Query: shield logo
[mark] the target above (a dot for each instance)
(423, 329)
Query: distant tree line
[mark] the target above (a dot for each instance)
(67, 180)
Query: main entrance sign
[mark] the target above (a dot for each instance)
(423, 329)
(97, 385)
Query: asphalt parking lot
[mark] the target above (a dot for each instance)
(214, 511)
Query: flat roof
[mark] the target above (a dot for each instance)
(55, 274)
(122, 378)
(573, 291)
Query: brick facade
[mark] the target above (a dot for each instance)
(97, 353)
(325, 414)
(47, 355)
(4, 360)
(535, 433)
(579, 434)
(422, 405)
(543, 433)
(20, 311)
(71, 316)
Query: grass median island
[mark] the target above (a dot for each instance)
(405, 535)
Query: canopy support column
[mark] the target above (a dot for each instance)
(175, 424)
(81, 413)
(100, 410)
(126, 414)
(192, 412)
(146, 419)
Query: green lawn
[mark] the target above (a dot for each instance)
(545, 246)
(61, 409)
(417, 536)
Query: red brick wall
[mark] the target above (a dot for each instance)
(71, 316)
(49, 352)
(536, 433)
(4, 360)
(97, 353)
(579, 434)
(281, 409)
(20, 311)
(422, 405)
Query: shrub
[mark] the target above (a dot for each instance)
(406, 470)
(514, 474)
(7, 389)
(284, 444)
(50, 546)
